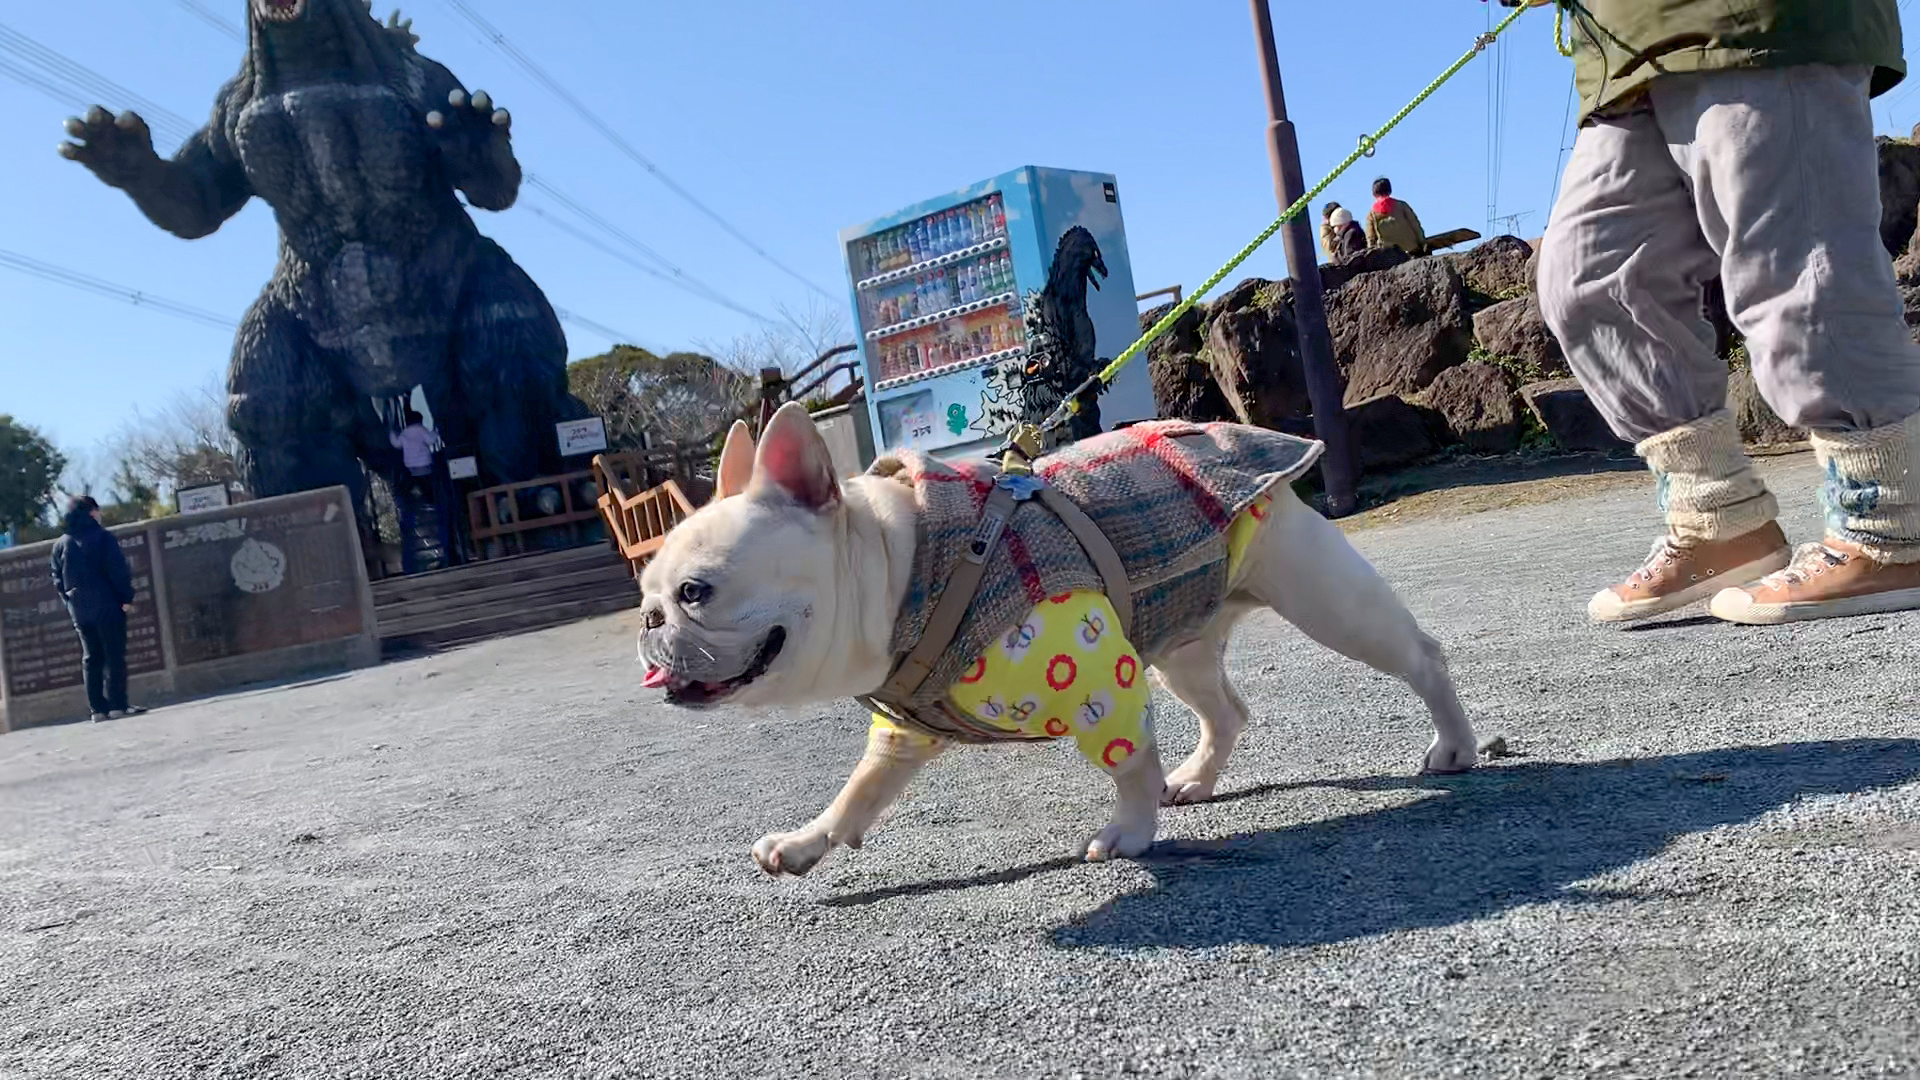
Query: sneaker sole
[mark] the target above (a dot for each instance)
(1608, 608)
(1736, 606)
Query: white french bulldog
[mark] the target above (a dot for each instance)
(783, 591)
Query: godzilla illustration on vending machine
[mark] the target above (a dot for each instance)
(1060, 351)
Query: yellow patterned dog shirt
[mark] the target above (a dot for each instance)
(1066, 669)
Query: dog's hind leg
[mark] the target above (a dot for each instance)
(1196, 673)
(1302, 566)
(893, 757)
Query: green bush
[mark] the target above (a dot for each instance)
(1522, 371)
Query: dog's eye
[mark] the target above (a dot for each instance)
(695, 592)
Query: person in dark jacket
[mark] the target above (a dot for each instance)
(92, 575)
(1349, 239)
(1327, 238)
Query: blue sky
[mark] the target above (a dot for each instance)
(791, 121)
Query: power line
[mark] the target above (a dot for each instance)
(63, 95)
(526, 64)
(212, 18)
(88, 283)
(1499, 67)
(614, 337)
(1565, 120)
(660, 267)
(612, 252)
(667, 270)
(74, 279)
(592, 241)
(83, 84)
(73, 83)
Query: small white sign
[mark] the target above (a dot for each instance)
(579, 437)
(209, 497)
(463, 468)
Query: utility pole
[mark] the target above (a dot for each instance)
(1303, 262)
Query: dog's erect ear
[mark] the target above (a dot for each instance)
(736, 461)
(793, 460)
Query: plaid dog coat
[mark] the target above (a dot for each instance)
(1164, 494)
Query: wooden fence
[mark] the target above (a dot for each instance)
(501, 524)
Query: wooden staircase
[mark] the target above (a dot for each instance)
(488, 599)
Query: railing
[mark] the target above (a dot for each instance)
(500, 527)
(801, 391)
(1172, 290)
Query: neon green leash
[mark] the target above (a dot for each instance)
(1106, 375)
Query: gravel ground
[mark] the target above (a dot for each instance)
(1704, 860)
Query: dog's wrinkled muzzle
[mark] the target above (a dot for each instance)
(696, 674)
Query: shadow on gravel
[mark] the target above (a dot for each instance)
(1021, 873)
(1477, 845)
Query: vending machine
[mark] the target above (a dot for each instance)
(946, 292)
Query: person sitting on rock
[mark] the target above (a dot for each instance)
(1326, 229)
(1734, 139)
(1392, 223)
(1349, 239)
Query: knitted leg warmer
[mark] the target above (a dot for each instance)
(1872, 496)
(1704, 483)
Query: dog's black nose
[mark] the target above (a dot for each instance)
(653, 619)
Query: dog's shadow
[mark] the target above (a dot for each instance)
(1472, 846)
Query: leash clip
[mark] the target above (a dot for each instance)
(1021, 486)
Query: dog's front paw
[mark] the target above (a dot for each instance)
(791, 853)
(1449, 757)
(1120, 841)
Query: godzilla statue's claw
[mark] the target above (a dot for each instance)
(115, 147)
(458, 102)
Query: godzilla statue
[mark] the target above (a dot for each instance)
(383, 283)
(1060, 341)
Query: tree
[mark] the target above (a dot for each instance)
(686, 396)
(185, 444)
(30, 467)
(797, 340)
(677, 398)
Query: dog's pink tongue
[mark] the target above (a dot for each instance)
(655, 677)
